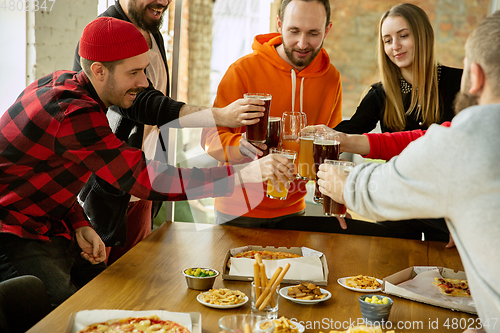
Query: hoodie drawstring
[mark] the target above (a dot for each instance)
(294, 84)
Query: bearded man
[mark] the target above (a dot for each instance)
(449, 172)
(294, 68)
(120, 219)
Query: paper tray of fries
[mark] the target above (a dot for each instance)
(311, 267)
(397, 284)
(78, 320)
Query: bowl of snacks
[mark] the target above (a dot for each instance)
(199, 278)
(375, 308)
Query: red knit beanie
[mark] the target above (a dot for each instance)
(110, 39)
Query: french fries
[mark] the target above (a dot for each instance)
(305, 291)
(284, 325)
(362, 282)
(223, 296)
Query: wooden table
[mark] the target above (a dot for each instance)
(149, 276)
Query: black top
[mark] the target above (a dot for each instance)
(371, 109)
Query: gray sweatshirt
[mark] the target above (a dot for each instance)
(452, 173)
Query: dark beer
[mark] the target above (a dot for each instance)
(323, 148)
(258, 132)
(331, 207)
(273, 134)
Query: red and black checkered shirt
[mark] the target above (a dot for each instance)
(54, 136)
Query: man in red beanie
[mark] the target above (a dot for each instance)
(123, 221)
(56, 134)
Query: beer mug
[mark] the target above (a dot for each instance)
(291, 124)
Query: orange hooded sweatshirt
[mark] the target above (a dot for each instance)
(316, 90)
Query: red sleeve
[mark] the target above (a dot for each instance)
(386, 145)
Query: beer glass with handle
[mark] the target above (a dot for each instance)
(292, 123)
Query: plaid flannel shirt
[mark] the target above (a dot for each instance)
(54, 136)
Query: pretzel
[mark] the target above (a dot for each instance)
(275, 285)
(256, 279)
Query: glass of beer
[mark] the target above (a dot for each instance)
(291, 125)
(271, 191)
(331, 207)
(258, 132)
(306, 159)
(325, 146)
(273, 134)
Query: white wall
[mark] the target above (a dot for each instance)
(12, 56)
(53, 35)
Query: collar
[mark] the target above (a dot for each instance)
(84, 81)
(120, 10)
(406, 87)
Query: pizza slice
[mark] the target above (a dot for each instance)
(453, 287)
(267, 255)
(147, 324)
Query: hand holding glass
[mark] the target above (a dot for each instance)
(257, 132)
(331, 207)
(325, 146)
(271, 191)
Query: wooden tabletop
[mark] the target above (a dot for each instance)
(149, 277)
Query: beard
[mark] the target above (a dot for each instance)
(115, 97)
(464, 100)
(303, 62)
(139, 16)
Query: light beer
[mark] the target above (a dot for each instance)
(271, 190)
(306, 159)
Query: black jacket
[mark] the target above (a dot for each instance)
(105, 205)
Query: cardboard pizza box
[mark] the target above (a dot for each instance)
(195, 319)
(392, 286)
(321, 267)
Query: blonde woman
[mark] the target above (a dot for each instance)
(415, 91)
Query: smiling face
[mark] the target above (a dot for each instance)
(303, 29)
(399, 43)
(122, 85)
(147, 14)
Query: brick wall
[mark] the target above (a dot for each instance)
(58, 31)
(352, 42)
(200, 51)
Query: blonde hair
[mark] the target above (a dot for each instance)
(424, 95)
(483, 48)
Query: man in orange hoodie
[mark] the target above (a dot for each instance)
(293, 67)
